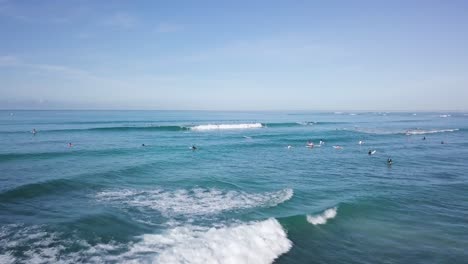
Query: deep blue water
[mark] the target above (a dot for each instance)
(242, 197)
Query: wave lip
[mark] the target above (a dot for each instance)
(422, 132)
(255, 242)
(197, 201)
(323, 217)
(226, 126)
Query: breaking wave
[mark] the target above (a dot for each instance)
(252, 242)
(422, 132)
(226, 126)
(255, 242)
(323, 217)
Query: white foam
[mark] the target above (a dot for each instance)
(443, 116)
(7, 258)
(226, 126)
(306, 123)
(322, 218)
(255, 242)
(197, 201)
(422, 132)
(38, 246)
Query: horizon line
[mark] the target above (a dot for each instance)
(246, 110)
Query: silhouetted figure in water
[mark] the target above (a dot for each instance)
(424, 138)
(193, 147)
(442, 142)
(370, 152)
(143, 145)
(389, 161)
(70, 145)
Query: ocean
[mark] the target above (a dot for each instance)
(126, 187)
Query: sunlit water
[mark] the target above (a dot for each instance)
(243, 196)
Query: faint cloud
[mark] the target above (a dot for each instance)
(168, 28)
(83, 35)
(281, 49)
(121, 21)
(12, 61)
(9, 60)
(8, 11)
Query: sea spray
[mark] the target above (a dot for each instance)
(322, 218)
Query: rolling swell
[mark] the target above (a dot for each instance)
(301, 124)
(129, 128)
(42, 188)
(174, 128)
(58, 154)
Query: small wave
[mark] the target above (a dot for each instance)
(290, 124)
(197, 201)
(422, 132)
(41, 188)
(444, 116)
(381, 131)
(301, 124)
(226, 126)
(255, 242)
(322, 218)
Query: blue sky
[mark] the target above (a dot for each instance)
(234, 55)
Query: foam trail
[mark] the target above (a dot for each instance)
(39, 246)
(197, 201)
(255, 242)
(322, 218)
(226, 126)
(422, 132)
(7, 259)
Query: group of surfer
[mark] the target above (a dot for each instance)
(309, 144)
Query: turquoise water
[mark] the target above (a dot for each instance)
(242, 197)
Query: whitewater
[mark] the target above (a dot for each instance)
(127, 187)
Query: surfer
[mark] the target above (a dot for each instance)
(143, 145)
(70, 145)
(424, 138)
(389, 161)
(310, 144)
(289, 146)
(361, 142)
(193, 147)
(371, 152)
(34, 131)
(321, 142)
(442, 142)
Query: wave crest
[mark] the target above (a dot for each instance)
(256, 242)
(422, 132)
(226, 126)
(197, 201)
(323, 217)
